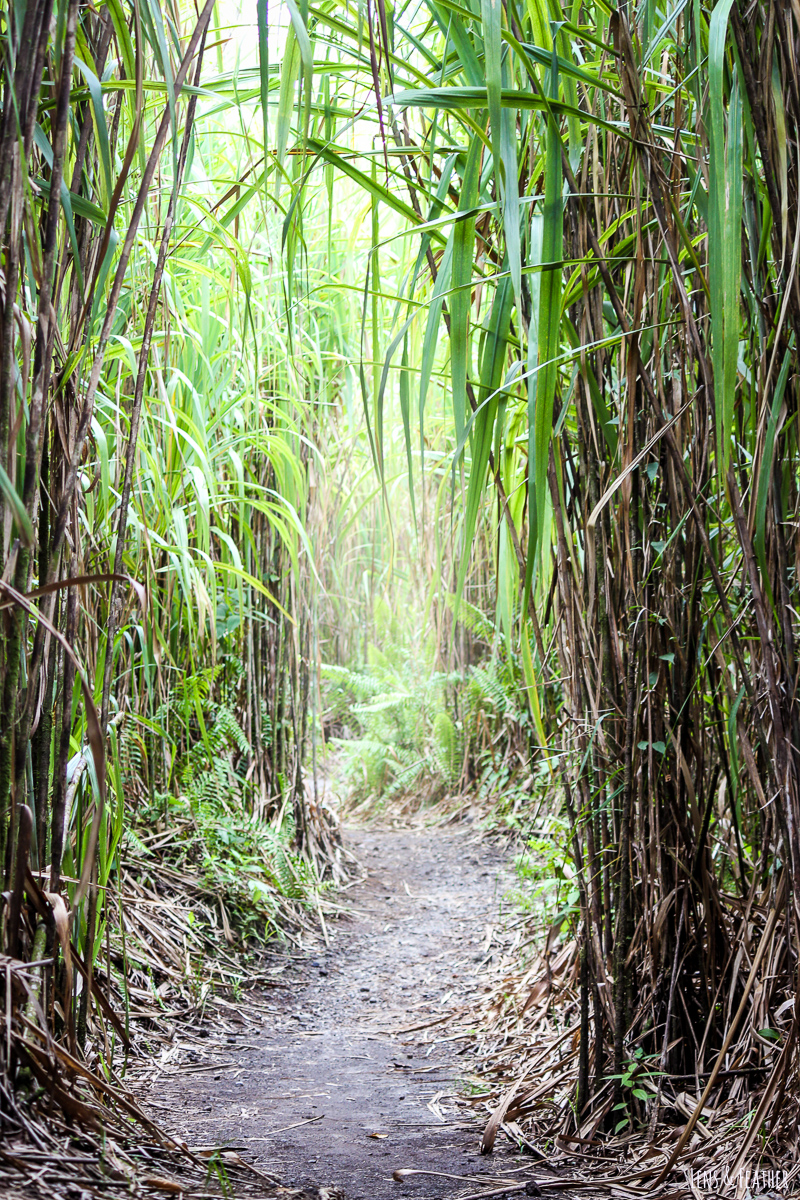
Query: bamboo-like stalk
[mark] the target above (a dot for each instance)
(84, 153)
(658, 584)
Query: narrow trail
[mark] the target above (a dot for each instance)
(347, 1074)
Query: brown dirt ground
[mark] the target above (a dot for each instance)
(356, 1044)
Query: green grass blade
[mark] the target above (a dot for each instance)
(541, 393)
(765, 470)
(463, 248)
(492, 362)
(723, 270)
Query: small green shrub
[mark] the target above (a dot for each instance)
(546, 873)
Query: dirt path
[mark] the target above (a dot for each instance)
(356, 1044)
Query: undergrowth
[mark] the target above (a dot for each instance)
(411, 735)
(407, 728)
(207, 817)
(400, 734)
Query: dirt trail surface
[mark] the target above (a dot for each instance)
(350, 1071)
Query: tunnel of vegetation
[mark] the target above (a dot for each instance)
(421, 376)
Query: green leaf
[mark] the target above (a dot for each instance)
(373, 187)
(262, 17)
(66, 201)
(430, 339)
(306, 58)
(289, 68)
(492, 13)
(23, 521)
(154, 22)
(458, 99)
(504, 148)
(659, 747)
(100, 126)
(78, 204)
(542, 389)
(765, 470)
(494, 354)
(724, 230)
(405, 413)
(440, 287)
(463, 247)
(453, 21)
(733, 747)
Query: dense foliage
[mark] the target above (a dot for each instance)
(584, 233)
(154, 481)
(541, 264)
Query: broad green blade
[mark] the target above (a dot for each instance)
(463, 250)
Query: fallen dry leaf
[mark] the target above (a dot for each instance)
(165, 1185)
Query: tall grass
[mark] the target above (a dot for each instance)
(155, 429)
(584, 233)
(552, 254)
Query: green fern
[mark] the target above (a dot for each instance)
(473, 619)
(404, 780)
(446, 747)
(404, 734)
(409, 726)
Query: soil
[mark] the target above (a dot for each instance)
(350, 1071)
